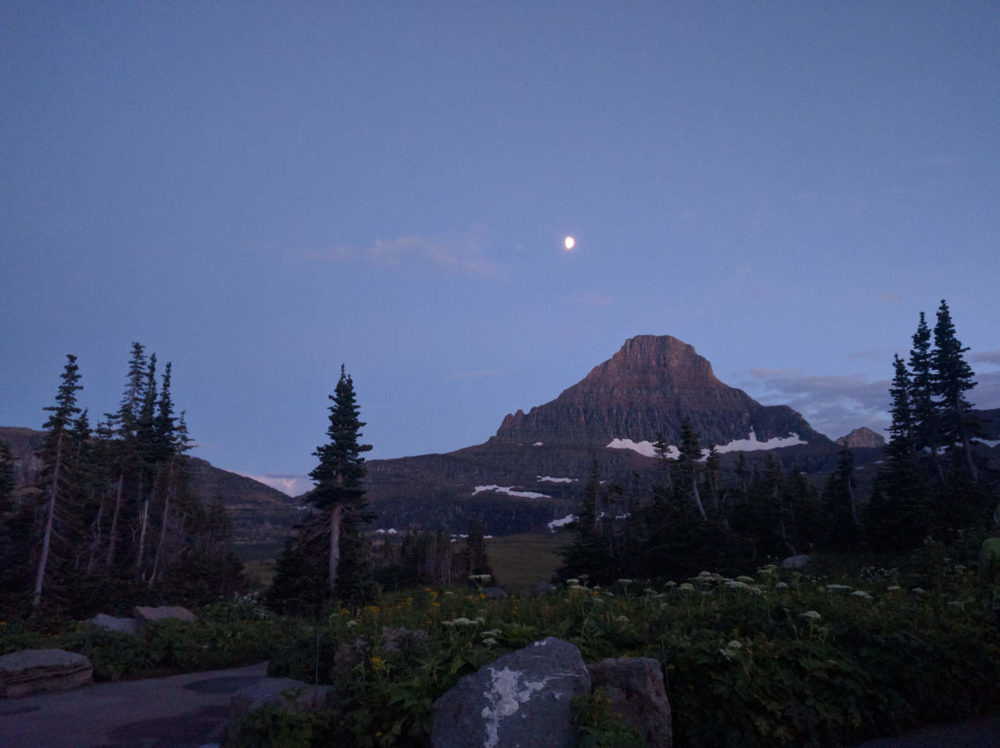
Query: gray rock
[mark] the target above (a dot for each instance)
(294, 695)
(522, 699)
(121, 625)
(146, 615)
(795, 562)
(33, 670)
(638, 696)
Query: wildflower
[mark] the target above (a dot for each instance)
(571, 582)
(956, 604)
(378, 664)
(735, 584)
(621, 619)
(745, 579)
(687, 586)
(861, 594)
(919, 591)
(812, 615)
(352, 622)
(735, 644)
(781, 586)
(838, 587)
(625, 581)
(893, 588)
(489, 641)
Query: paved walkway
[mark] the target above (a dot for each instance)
(186, 711)
(179, 711)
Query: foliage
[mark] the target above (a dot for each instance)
(597, 727)
(112, 516)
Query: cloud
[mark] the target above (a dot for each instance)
(459, 253)
(833, 405)
(989, 358)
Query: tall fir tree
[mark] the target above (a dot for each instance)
(56, 477)
(923, 411)
(340, 492)
(951, 379)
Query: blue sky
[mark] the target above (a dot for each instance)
(259, 192)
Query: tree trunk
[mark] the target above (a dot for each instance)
(336, 516)
(49, 521)
(163, 523)
(144, 522)
(114, 517)
(696, 495)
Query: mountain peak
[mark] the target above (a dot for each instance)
(646, 389)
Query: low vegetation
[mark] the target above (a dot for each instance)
(772, 658)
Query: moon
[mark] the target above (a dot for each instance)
(569, 242)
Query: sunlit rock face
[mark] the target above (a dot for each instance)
(648, 388)
(862, 437)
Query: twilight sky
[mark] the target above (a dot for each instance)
(259, 192)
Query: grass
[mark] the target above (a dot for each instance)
(520, 561)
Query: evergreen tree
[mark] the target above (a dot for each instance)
(840, 503)
(688, 463)
(6, 479)
(951, 379)
(587, 554)
(923, 411)
(339, 492)
(898, 515)
(56, 478)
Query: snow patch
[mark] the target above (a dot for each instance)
(753, 444)
(988, 442)
(509, 490)
(390, 531)
(538, 444)
(550, 479)
(568, 519)
(645, 448)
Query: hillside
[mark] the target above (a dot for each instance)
(261, 515)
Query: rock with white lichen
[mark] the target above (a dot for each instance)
(522, 699)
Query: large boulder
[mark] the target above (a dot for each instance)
(795, 562)
(145, 615)
(121, 625)
(522, 699)
(638, 696)
(32, 670)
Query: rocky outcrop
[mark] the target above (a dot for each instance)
(648, 388)
(33, 670)
(638, 696)
(524, 698)
(112, 623)
(862, 437)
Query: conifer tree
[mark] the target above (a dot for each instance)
(339, 491)
(951, 378)
(6, 478)
(56, 475)
(923, 410)
(687, 465)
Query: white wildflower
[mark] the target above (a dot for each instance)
(812, 615)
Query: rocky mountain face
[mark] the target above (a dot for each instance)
(538, 462)
(862, 437)
(646, 389)
(261, 515)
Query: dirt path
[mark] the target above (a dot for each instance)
(180, 711)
